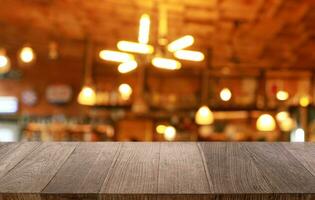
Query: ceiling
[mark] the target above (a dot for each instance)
(238, 33)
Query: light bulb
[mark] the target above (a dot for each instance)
(282, 95)
(165, 63)
(87, 96)
(27, 54)
(204, 116)
(115, 56)
(144, 29)
(135, 47)
(189, 55)
(170, 133)
(287, 124)
(5, 63)
(53, 51)
(160, 129)
(125, 91)
(225, 94)
(127, 67)
(304, 101)
(298, 135)
(265, 122)
(282, 116)
(181, 43)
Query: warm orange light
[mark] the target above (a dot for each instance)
(5, 63)
(281, 116)
(170, 133)
(127, 67)
(53, 50)
(87, 96)
(125, 91)
(160, 129)
(189, 55)
(225, 94)
(27, 54)
(286, 125)
(304, 101)
(115, 56)
(265, 122)
(144, 29)
(181, 43)
(282, 95)
(135, 47)
(204, 116)
(165, 63)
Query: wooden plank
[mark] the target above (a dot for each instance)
(116, 171)
(261, 197)
(281, 168)
(304, 152)
(12, 153)
(7, 147)
(232, 170)
(181, 169)
(20, 196)
(37, 169)
(210, 197)
(134, 172)
(85, 170)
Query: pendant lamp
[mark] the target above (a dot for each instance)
(265, 122)
(87, 95)
(204, 115)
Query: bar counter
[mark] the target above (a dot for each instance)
(179, 170)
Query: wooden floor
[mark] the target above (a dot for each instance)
(157, 171)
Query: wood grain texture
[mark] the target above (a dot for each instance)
(84, 171)
(135, 170)
(232, 170)
(281, 168)
(12, 153)
(21, 196)
(37, 169)
(208, 197)
(6, 148)
(157, 171)
(304, 152)
(181, 169)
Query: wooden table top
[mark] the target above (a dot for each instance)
(179, 170)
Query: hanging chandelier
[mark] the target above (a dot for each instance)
(165, 55)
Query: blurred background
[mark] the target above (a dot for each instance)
(157, 70)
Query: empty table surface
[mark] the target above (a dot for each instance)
(179, 170)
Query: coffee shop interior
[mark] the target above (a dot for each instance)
(157, 70)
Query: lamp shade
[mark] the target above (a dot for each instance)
(225, 94)
(282, 95)
(204, 116)
(125, 91)
(297, 135)
(87, 96)
(304, 101)
(5, 63)
(286, 125)
(27, 55)
(170, 133)
(265, 122)
(282, 115)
